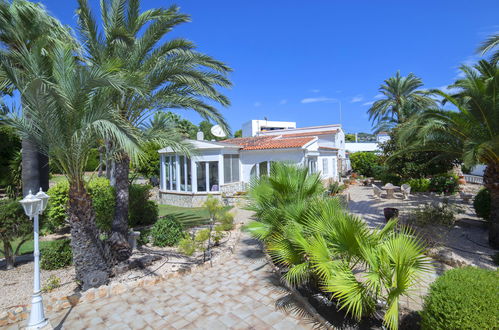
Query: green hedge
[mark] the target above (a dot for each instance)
(419, 185)
(56, 255)
(444, 183)
(364, 162)
(463, 298)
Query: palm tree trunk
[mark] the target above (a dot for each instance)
(491, 181)
(35, 168)
(91, 259)
(119, 227)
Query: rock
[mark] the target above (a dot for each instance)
(89, 295)
(118, 288)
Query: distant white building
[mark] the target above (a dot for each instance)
(225, 167)
(381, 137)
(255, 127)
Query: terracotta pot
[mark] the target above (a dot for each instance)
(390, 213)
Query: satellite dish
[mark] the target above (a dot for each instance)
(218, 131)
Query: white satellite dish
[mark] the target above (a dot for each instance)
(218, 131)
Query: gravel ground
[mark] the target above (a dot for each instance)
(16, 284)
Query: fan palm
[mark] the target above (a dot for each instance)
(316, 241)
(22, 24)
(489, 45)
(171, 74)
(471, 133)
(401, 99)
(65, 109)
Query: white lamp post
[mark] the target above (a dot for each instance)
(34, 205)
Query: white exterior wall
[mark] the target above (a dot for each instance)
(250, 158)
(340, 143)
(332, 171)
(253, 127)
(361, 146)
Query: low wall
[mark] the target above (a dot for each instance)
(227, 191)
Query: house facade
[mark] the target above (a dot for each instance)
(226, 167)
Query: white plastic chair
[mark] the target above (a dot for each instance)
(377, 191)
(466, 197)
(406, 190)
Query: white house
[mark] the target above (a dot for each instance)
(225, 167)
(255, 127)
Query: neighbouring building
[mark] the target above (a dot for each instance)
(255, 127)
(226, 167)
(381, 137)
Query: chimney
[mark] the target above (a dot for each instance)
(200, 136)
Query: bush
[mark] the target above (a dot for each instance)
(141, 211)
(92, 160)
(57, 213)
(419, 185)
(14, 224)
(432, 214)
(444, 183)
(226, 220)
(144, 237)
(187, 246)
(364, 162)
(463, 298)
(166, 232)
(56, 255)
(481, 204)
(201, 237)
(103, 202)
(385, 176)
(53, 282)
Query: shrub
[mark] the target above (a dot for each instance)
(57, 213)
(419, 185)
(436, 213)
(444, 183)
(219, 234)
(385, 176)
(14, 224)
(481, 204)
(144, 237)
(187, 246)
(92, 160)
(53, 282)
(141, 211)
(463, 298)
(166, 232)
(364, 162)
(56, 255)
(200, 239)
(103, 202)
(334, 187)
(226, 220)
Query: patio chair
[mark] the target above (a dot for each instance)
(406, 190)
(377, 191)
(466, 197)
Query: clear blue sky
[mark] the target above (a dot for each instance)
(293, 60)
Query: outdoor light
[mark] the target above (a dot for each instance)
(44, 198)
(31, 205)
(34, 206)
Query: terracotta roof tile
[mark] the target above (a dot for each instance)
(269, 142)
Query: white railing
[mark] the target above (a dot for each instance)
(473, 179)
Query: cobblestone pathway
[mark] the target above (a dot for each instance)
(238, 293)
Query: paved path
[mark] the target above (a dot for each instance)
(239, 293)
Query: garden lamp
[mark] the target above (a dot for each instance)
(33, 206)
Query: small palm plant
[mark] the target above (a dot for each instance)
(316, 241)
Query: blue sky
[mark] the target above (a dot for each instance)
(296, 60)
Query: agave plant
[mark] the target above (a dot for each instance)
(315, 240)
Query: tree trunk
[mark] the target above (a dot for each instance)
(491, 181)
(91, 256)
(119, 237)
(101, 160)
(9, 254)
(35, 168)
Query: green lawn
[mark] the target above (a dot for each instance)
(27, 247)
(190, 216)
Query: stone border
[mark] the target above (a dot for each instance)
(56, 303)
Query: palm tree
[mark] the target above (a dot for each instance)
(471, 133)
(22, 23)
(401, 99)
(65, 109)
(317, 242)
(171, 74)
(489, 45)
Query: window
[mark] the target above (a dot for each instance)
(201, 174)
(179, 179)
(207, 176)
(231, 168)
(325, 166)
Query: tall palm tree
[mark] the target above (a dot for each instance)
(471, 133)
(402, 98)
(171, 74)
(65, 109)
(22, 23)
(491, 45)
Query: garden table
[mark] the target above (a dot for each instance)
(390, 189)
